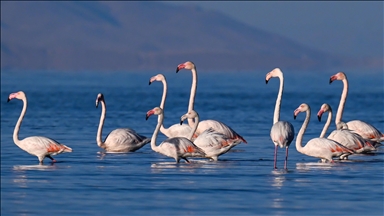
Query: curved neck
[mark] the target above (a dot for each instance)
(18, 124)
(164, 130)
(194, 128)
(101, 123)
(160, 119)
(326, 125)
(340, 109)
(276, 114)
(193, 93)
(299, 137)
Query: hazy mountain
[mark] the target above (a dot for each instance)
(125, 35)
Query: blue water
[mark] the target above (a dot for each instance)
(243, 182)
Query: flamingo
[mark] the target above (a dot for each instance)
(175, 130)
(344, 136)
(367, 131)
(210, 141)
(175, 147)
(322, 148)
(205, 124)
(39, 146)
(282, 132)
(120, 139)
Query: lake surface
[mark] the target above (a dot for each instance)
(242, 182)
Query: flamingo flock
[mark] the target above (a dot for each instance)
(211, 138)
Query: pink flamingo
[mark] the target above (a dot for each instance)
(175, 130)
(210, 141)
(343, 136)
(118, 140)
(206, 124)
(322, 148)
(35, 145)
(282, 132)
(175, 147)
(367, 131)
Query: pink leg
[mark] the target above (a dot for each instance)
(274, 164)
(286, 158)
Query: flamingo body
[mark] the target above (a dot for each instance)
(118, 140)
(282, 134)
(206, 124)
(367, 131)
(175, 147)
(322, 148)
(343, 136)
(210, 141)
(39, 146)
(124, 140)
(218, 127)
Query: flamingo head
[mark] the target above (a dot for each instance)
(341, 126)
(302, 108)
(324, 108)
(274, 73)
(158, 77)
(100, 97)
(190, 115)
(187, 65)
(18, 95)
(154, 111)
(338, 76)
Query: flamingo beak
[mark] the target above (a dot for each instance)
(8, 100)
(149, 113)
(333, 78)
(319, 114)
(97, 104)
(295, 113)
(266, 81)
(179, 67)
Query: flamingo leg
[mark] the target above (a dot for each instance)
(286, 158)
(50, 157)
(274, 164)
(186, 160)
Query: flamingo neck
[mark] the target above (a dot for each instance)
(18, 124)
(326, 125)
(340, 109)
(194, 128)
(99, 141)
(276, 114)
(193, 94)
(160, 119)
(164, 130)
(299, 138)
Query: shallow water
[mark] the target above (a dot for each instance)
(243, 181)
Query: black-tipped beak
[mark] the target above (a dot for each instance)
(319, 117)
(294, 116)
(330, 81)
(177, 69)
(8, 100)
(149, 82)
(266, 81)
(146, 117)
(181, 122)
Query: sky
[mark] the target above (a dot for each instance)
(353, 28)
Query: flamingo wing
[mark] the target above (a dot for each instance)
(178, 130)
(122, 139)
(39, 145)
(219, 127)
(367, 131)
(180, 147)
